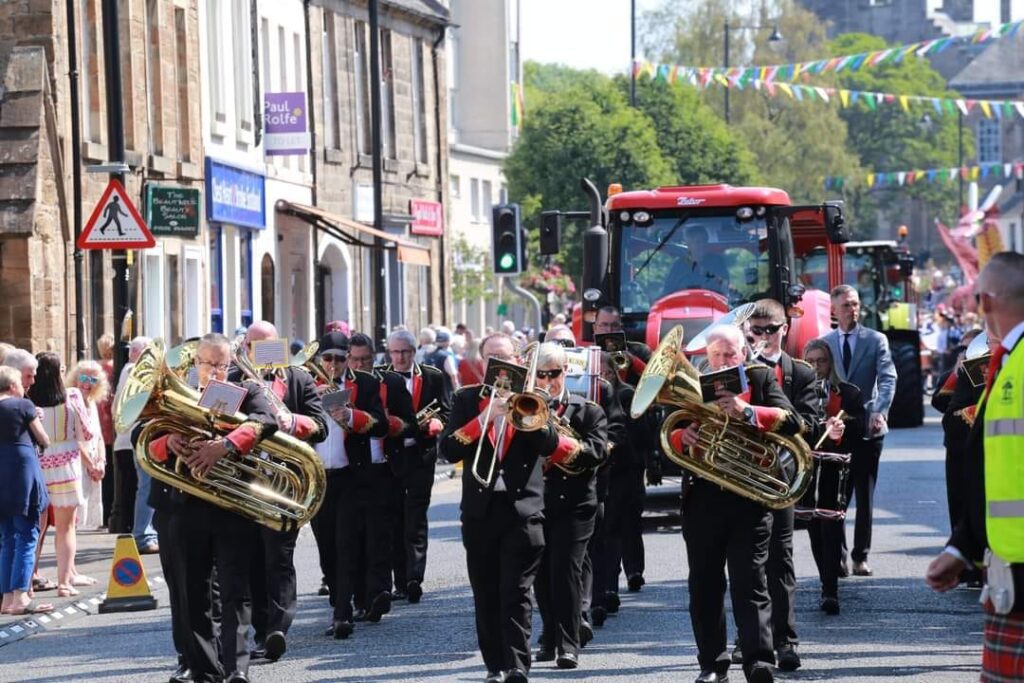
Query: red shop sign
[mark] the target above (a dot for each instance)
(427, 217)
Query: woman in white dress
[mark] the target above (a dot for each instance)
(88, 377)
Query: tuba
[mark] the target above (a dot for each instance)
(281, 486)
(735, 455)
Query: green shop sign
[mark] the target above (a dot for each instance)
(172, 211)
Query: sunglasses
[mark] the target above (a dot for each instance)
(566, 343)
(89, 379)
(334, 357)
(767, 329)
(549, 374)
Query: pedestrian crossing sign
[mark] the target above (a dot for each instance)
(115, 223)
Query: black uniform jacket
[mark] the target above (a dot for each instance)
(640, 351)
(368, 419)
(521, 469)
(955, 427)
(166, 498)
(301, 398)
(563, 491)
(397, 403)
(640, 438)
(844, 396)
(429, 384)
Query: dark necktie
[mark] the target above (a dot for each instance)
(406, 375)
(769, 363)
(847, 352)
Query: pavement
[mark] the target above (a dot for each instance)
(891, 627)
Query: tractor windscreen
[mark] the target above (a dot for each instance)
(674, 251)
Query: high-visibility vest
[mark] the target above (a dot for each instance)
(1004, 459)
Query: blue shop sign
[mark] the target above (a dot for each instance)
(235, 195)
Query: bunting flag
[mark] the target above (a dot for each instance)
(791, 72)
(517, 106)
(990, 109)
(877, 179)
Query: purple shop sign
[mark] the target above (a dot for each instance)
(285, 123)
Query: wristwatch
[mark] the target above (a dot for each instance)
(230, 448)
(748, 414)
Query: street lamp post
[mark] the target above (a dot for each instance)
(775, 40)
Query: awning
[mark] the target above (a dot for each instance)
(352, 232)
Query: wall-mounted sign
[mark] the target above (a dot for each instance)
(427, 217)
(172, 211)
(235, 195)
(284, 120)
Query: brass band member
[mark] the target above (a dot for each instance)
(827, 535)
(414, 463)
(354, 481)
(204, 535)
(610, 320)
(570, 510)
(502, 522)
(273, 565)
(720, 527)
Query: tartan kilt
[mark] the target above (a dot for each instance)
(1002, 659)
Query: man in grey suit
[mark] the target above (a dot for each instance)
(863, 358)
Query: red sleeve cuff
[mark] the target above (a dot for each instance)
(676, 439)
(469, 432)
(243, 438)
(395, 426)
(304, 428)
(638, 365)
(768, 419)
(566, 450)
(361, 421)
(158, 448)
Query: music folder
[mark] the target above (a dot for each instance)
(510, 376)
(611, 342)
(222, 398)
(732, 379)
(334, 400)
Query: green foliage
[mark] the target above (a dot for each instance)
(471, 276)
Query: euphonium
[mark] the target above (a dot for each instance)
(735, 455)
(280, 485)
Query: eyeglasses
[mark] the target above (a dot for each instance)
(334, 357)
(401, 352)
(567, 343)
(221, 367)
(89, 379)
(549, 374)
(767, 329)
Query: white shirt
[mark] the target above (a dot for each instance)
(499, 431)
(408, 387)
(775, 358)
(1011, 339)
(853, 333)
(332, 449)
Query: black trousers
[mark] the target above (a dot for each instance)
(175, 587)
(126, 482)
(827, 548)
(559, 586)
(624, 534)
(721, 528)
(410, 534)
(205, 539)
(274, 588)
(863, 475)
(596, 577)
(503, 554)
(353, 534)
(107, 485)
(782, 578)
(954, 483)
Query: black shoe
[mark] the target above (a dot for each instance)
(862, 569)
(359, 615)
(415, 591)
(737, 653)
(274, 646)
(324, 589)
(844, 569)
(398, 595)
(341, 629)
(380, 606)
(635, 582)
(516, 676)
(259, 652)
(567, 660)
(237, 677)
(599, 615)
(494, 677)
(544, 653)
(612, 602)
(830, 606)
(586, 632)
(712, 677)
(181, 675)
(788, 659)
(760, 673)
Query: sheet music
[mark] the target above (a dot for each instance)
(222, 398)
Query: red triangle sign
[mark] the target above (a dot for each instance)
(115, 223)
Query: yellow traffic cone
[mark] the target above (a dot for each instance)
(128, 589)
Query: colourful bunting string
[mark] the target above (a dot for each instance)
(1013, 169)
(791, 72)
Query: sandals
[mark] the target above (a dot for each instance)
(82, 580)
(67, 591)
(43, 585)
(30, 608)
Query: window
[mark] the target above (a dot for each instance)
(181, 86)
(214, 42)
(486, 198)
(474, 200)
(173, 301)
(153, 295)
(91, 106)
(242, 43)
(453, 83)
(191, 288)
(389, 145)
(267, 288)
(245, 277)
(455, 185)
(154, 79)
(332, 120)
(419, 104)
(362, 74)
(990, 147)
(216, 281)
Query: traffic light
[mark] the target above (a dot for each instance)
(508, 240)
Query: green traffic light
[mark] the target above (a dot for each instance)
(506, 261)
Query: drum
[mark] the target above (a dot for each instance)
(826, 496)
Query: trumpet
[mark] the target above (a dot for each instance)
(427, 413)
(620, 360)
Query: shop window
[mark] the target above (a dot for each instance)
(267, 288)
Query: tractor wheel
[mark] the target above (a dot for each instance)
(908, 404)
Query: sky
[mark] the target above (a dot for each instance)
(584, 34)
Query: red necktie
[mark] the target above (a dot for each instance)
(994, 364)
